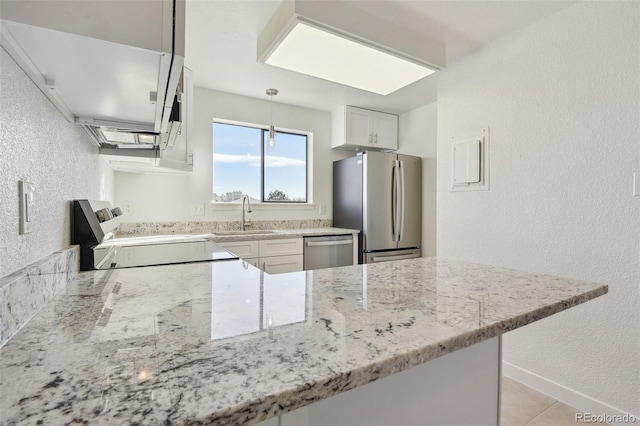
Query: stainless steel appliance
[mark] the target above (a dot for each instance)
(328, 251)
(381, 195)
(93, 226)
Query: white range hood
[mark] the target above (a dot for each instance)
(152, 161)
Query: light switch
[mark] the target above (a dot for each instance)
(469, 155)
(466, 162)
(27, 217)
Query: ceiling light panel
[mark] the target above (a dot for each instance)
(313, 51)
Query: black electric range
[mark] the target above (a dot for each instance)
(93, 223)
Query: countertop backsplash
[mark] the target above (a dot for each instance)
(134, 229)
(26, 291)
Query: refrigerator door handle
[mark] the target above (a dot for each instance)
(402, 197)
(401, 257)
(397, 208)
(394, 201)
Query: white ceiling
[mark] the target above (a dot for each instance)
(221, 46)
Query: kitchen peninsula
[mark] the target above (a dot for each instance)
(224, 343)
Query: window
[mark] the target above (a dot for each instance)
(245, 164)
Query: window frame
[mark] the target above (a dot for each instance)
(263, 142)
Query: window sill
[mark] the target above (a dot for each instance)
(263, 206)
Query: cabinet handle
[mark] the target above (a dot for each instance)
(376, 140)
(264, 267)
(328, 243)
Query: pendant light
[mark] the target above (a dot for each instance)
(272, 130)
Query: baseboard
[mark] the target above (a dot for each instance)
(566, 395)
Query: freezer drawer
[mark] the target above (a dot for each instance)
(328, 252)
(384, 256)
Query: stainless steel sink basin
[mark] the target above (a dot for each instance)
(247, 232)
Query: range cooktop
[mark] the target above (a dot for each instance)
(117, 254)
(94, 224)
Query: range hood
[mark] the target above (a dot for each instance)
(125, 136)
(140, 151)
(144, 160)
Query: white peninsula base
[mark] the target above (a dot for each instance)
(460, 388)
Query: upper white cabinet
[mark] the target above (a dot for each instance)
(358, 128)
(101, 62)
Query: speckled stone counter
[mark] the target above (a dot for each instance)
(138, 229)
(223, 343)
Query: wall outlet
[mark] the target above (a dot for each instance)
(127, 207)
(197, 209)
(322, 209)
(27, 220)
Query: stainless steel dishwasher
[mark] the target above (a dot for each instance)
(328, 251)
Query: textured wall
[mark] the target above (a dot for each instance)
(418, 136)
(562, 99)
(39, 145)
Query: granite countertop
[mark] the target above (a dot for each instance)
(224, 343)
(258, 234)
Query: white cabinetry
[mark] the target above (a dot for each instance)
(175, 160)
(460, 388)
(358, 128)
(179, 156)
(281, 264)
(108, 63)
(274, 256)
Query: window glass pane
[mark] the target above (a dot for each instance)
(236, 162)
(285, 168)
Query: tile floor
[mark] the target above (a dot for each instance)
(522, 406)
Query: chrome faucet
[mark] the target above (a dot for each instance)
(248, 210)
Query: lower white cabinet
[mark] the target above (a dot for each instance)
(274, 256)
(281, 264)
(280, 247)
(242, 249)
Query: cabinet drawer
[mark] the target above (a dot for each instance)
(281, 264)
(242, 249)
(280, 247)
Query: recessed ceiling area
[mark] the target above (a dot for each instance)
(221, 45)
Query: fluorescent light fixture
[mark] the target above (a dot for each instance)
(331, 55)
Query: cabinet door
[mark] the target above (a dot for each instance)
(280, 247)
(242, 249)
(359, 126)
(281, 264)
(385, 130)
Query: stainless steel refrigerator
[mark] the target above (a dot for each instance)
(381, 195)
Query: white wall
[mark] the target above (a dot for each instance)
(417, 134)
(562, 99)
(39, 145)
(169, 198)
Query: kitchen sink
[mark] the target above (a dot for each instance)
(247, 232)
